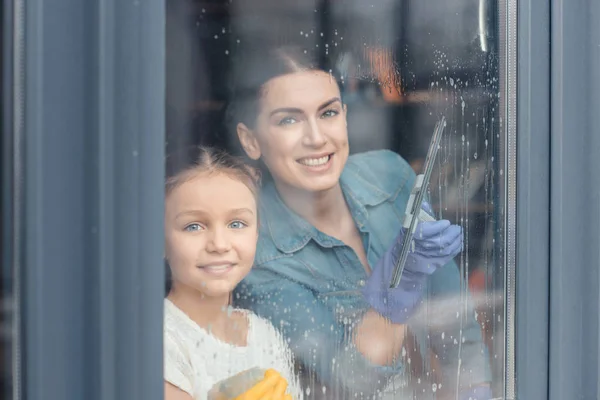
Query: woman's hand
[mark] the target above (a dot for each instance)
(434, 245)
(271, 387)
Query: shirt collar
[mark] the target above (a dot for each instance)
(290, 232)
(362, 189)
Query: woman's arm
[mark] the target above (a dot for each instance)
(358, 358)
(444, 317)
(174, 393)
(378, 340)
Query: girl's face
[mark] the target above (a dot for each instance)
(300, 131)
(211, 231)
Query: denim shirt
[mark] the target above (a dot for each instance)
(308, 284)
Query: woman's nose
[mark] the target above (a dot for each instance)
(218, 242)
(314, 135)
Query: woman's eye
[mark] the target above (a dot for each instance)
(237, 225)
(329, 113)
(287, 121)
(193, 228)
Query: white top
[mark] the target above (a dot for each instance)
(195, 360)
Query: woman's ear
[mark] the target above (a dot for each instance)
(248, 141)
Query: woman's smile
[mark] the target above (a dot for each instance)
(317, 163)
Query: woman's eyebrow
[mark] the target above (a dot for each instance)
(329, 102)
(293, 110)
(289, 110)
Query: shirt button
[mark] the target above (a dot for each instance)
(361, 283)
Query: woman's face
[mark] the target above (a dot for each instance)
(211, 230)
(300, 132)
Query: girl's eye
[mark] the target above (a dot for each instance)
(329, 114)
(237, 225)
(193, 228)
(287, 121)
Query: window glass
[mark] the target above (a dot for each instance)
(335, 103)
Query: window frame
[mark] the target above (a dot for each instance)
(90, 279)
(533, 200)
(574, 200)
(92, 134)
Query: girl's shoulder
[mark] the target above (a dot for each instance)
(262, 330)
(175, 319)
(259, 324)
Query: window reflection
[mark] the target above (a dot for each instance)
(399, 66)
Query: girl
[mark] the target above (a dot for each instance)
(211, 230)
(330, 238)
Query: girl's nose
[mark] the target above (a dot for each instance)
(218, 242)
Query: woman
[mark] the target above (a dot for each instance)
(327, 218)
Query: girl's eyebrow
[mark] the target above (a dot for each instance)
(190, 212)
(293, 110)
(241, 210)
(200, 212)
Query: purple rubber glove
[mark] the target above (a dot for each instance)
(476, 393)
(434, 245)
